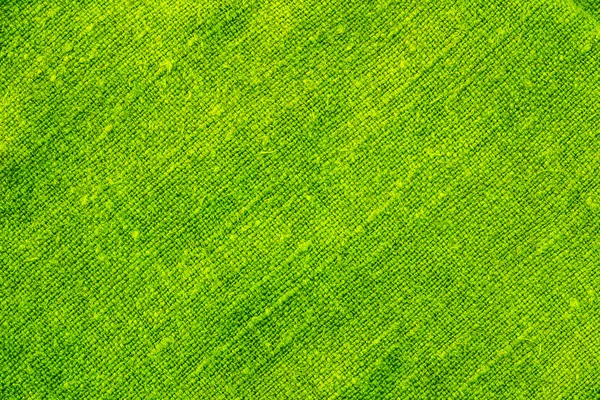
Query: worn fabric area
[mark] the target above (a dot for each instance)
(252, 199)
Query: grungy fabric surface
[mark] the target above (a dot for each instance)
(223, 199)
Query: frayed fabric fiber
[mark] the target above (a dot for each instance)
(251, 199)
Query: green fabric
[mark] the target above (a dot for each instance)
(296, 199)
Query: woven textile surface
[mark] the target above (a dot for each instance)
(299, 199)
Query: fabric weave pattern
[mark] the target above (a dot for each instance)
(250, 199)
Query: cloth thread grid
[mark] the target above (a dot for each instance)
(299, 200)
